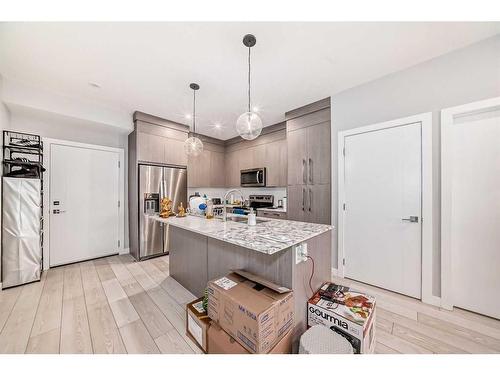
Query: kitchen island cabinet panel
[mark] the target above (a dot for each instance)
(224, 257)
(195, 259)
(188, 259)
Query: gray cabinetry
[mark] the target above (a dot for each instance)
(269, 151)
(271, 214)
(154, 141)
(309, 163)
(208, 169)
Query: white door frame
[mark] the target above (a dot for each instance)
(427, 209)
(448, 115)
(47, 145)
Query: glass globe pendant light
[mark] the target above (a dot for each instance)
(249, 124)
(193, 146)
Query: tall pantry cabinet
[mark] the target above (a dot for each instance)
(309, 165)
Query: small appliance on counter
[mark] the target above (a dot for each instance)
(197, 205)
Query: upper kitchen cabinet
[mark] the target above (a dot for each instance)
(268, 151)
(208, 169)
(232, 168)
(156, 140)
(276, 162)
(309, 162)
(309, 136)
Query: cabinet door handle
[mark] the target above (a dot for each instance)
(310, 199)
(304, 174)
(303, 199)
(310, 170)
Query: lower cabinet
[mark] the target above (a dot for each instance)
(272, 214)
(309, 203)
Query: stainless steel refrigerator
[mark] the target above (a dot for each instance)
(155, 183)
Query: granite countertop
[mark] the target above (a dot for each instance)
(269, 236)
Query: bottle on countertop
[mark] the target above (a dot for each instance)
(252, 217)
(209, 211)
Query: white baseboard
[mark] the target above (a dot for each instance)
(432, 300)
(124, 251)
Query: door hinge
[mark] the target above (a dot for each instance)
(118, 243)
(119, 163)
(343, 206)
(343, 262)
(118, 203)
(343, 151)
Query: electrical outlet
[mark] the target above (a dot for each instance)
(300, 253)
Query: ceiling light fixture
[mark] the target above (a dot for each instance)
(193, 146)
(95, 85)
(249, 124)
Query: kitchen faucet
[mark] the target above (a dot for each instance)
(224, 213)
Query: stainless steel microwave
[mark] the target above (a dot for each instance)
(253, 177)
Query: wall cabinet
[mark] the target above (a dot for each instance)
(276, 163)
(269, 151)
(309, 166)
(232, 174)
(207, 169)
(164, 146)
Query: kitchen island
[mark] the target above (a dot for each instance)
(202, 250)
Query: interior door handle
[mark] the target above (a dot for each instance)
(411, 219)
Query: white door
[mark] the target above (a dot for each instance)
(382, 219)
(475, 212)
(84, 212)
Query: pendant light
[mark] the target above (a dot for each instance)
(193, 146)
(249, 124)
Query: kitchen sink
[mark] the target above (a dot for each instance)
(243, 219)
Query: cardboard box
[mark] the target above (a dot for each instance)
(254, 311)
(219, 342)
(347, 312)
(197, 322)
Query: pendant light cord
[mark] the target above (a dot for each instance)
(248, 79)
(194, 112)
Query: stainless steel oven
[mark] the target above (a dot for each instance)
(253, 177)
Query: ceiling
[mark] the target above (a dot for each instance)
(148, 66)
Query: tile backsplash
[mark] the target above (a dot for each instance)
(278, 192)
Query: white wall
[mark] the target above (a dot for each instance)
(51, 125)
(462, 76)
(4, 124)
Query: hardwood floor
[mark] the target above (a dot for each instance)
(117, 305)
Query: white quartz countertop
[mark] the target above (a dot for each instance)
(269, 236)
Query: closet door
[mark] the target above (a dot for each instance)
(471, 206)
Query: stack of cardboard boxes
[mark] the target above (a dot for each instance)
(246, 314)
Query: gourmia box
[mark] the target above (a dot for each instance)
(347, 312)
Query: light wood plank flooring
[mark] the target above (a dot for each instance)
(117, 305)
